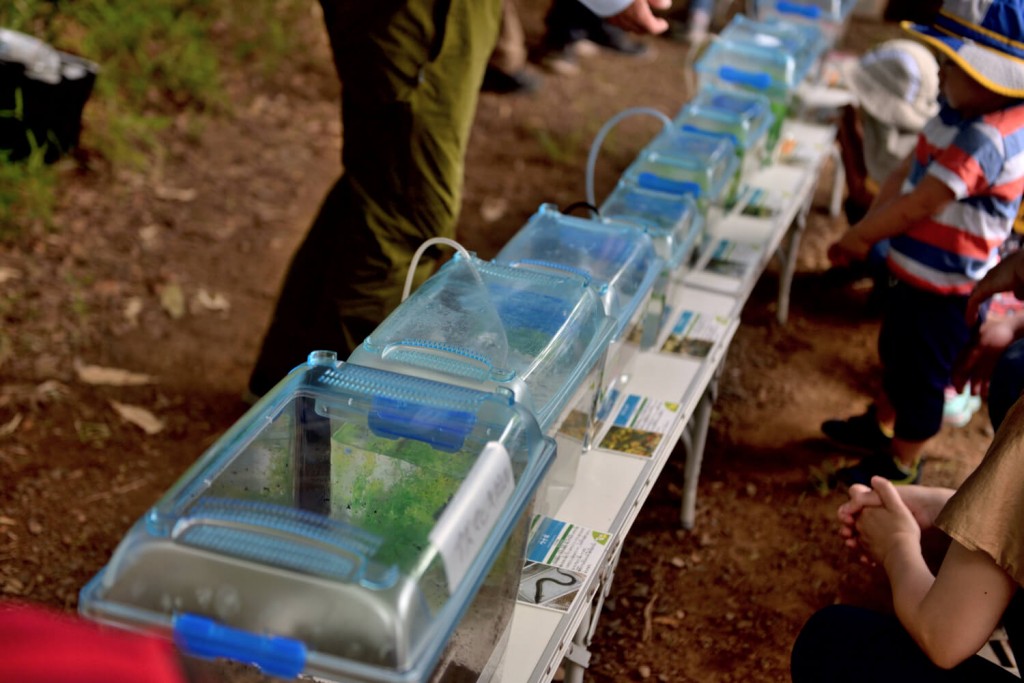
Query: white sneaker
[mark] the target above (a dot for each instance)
(960, 408)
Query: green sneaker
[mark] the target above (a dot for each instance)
(878, 465)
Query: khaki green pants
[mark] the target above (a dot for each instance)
(410, 73)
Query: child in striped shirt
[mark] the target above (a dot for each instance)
(946, 212)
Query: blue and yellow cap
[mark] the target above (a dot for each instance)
(984, 37)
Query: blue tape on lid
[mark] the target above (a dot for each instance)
(442, 428)
(809, 11)
(697, 130)
(754, 79)
(652, 181)
(203, 637)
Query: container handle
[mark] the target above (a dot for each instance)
(753, 79)
(652, 181)
(715, 134)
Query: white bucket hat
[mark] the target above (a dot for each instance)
(984, 37)
(896, 82)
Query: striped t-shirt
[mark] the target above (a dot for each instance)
(982, 161)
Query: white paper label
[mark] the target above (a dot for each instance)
(473, 511)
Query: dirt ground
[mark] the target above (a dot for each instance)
(171, 272)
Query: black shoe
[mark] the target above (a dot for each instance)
(860, 431)
(617, 39)
(562, 61)
(504, 83)
(878, 465)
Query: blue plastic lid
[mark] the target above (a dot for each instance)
(680, 162)
(340, 529)
(770, 57)
(673, 221)
(535, 331)
(745, 116)
(835, 11)
(621, 261)
(691, 127)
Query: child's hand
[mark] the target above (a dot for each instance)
(849, 249)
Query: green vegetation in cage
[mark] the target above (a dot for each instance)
(394, 488)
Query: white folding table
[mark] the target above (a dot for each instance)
(610, 487)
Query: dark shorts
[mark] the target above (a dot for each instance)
(922, 334)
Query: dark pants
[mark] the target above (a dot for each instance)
(1007, 383)
(921, 335)
(411, 71)
(842, 644)
(568, 21)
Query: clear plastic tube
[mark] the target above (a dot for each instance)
(595, 147)
(419, 254)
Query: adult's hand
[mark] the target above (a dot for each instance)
(976, 363)
(923, 502)
(885, 530)
(639, 17)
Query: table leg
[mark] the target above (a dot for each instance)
(701, 420)
(838, 182)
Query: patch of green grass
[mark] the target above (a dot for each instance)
(28, 192)
(95, 434)
(262, 32)
(28, 186)
(559, 148)
(157, 59)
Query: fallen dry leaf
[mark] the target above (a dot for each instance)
(8, 274)
(172, 299)
(116, 377)
(138, 416)
(493, 208)
(132, 309)
(211, 302)
(175, 194)
(11, 425)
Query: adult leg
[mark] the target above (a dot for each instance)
(567, 22)
(510, 51)
(699, 20)
(507, 71)
(411, 73)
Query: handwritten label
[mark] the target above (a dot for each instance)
(473, 512)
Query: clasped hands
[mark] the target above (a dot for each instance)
(877, 520)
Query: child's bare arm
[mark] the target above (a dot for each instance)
(891, 219)
(892, 185)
